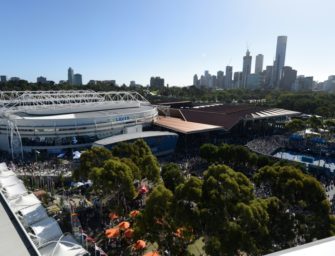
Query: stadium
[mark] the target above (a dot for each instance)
(54, 121)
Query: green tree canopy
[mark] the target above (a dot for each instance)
(172, 176)
(94, 157)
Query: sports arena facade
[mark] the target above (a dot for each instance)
(57, 120)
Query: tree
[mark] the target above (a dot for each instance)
(209, 152)
(150, 168)
(302, 198)
(295, 125)
(187, 203)
(315, 123)
(172, 176)
(94, 157)
(232, 217)
(156, 224)
(114, 177)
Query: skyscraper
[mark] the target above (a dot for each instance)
(77, 79)
(246, 69)
(3, 79)
(259, 64)
(195, 80)
(70, 76)
(228, 77)
(280, 60)
(219, 79)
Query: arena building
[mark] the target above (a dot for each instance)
(53, 121)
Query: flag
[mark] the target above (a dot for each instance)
(101, 252)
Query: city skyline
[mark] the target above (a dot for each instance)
(125, 40)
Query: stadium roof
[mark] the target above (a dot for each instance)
(131, 136)
(179, 125)
(323, 247)
(224, 116)
(11, 242)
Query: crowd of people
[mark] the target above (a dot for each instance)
(267, 145)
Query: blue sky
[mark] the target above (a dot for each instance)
(136, 39)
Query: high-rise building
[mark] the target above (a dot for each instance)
(246, 69)
(228, 77)
(70, 76)
(280, 60)
(289, 76)
(195, 80)
(3, 79)
(268, 76)
(259, 63)
(220, 79)
(77, 79)
(238, 77)
(41, 80)
(157, 82)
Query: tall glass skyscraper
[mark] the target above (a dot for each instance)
(246, 69)
(279, 62)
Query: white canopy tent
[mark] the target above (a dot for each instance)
(32, 214)
(3, 167)
(9, 181)
(14, 191)
(46, 230)
(24, 201)
(7, 173)
(65, 246)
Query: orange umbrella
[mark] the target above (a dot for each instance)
(113, 216)
(153, 253)
(129, 233)
(144, 190)
(140, 244)
(112, 232)
(134, 213)
(124, 225)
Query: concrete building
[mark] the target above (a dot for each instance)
(254, 81)
(303, 83)
(14, 78)
(329, 85)
(3, 79)
(41, 80)
(77, 79)
(279, 62)
(70, 76)
(246, 69)
(268, 76)
(156, 82)
(195, 80)
(228, 77)
(289, 76)
(259, 63)
(220, 79)
(238, 77)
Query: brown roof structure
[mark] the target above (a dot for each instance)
(217, 116)
(179, 125)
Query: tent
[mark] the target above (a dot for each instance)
(3, 167)
(134, 213)
(24, 201)
(14, 191)
(112, 232)
(9, 181)
(76, 155)
(46, 230)
(129, 233)
(65, 246)
(139, 245)
(32, 214)
(124, 225)
(7, 174)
